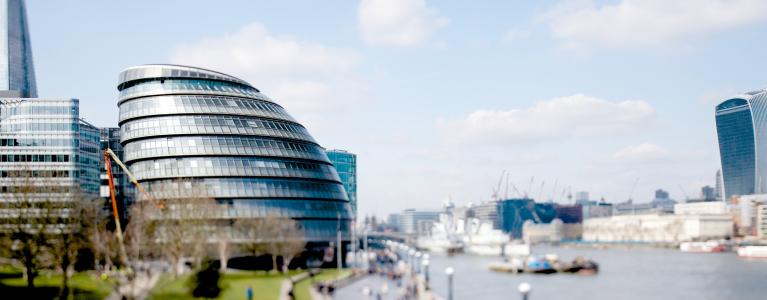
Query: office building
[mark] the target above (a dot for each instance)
(761, 221)
(346, 166)
(487, 212)
(655, 228)
(231, 143)
(569, 214)
(17, 72)
(124, 190)
(718, 185)
(707, 193)
(46, 151)
(740, 127)
(594, 209)
(418, 222)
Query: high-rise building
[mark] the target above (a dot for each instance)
(17, 72)
(488, 212)
(740, 126)
(661, 194)
(718, 185)
(46, 151)
(514, 212)
(707, 193)
(346, 166)
(232, 143)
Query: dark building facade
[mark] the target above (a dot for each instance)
(514, 212)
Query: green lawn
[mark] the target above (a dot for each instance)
(266, 286)
(301, 289)
(83, 285)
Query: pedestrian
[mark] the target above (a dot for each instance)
(249, 293)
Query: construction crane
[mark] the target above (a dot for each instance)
(108, 166)
(497, 189)
(686, 197)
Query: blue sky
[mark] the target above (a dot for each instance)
(439, 97)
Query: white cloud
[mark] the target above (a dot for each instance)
(558, 118)
(652, 23)
(514, 35)
(398, 22)
(299, 75)
(642, 153)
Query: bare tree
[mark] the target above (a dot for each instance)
(67, 234)
(27, 217)
(273, 235)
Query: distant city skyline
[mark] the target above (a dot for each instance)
(439, 98)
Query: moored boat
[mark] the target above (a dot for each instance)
(753, 252)
(702, 247)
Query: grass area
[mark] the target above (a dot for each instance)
(83, 285)
(301, 290)
(266, 286)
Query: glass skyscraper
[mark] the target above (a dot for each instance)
(741, 125)
(231, 141)
(346, 166)
(17, 73)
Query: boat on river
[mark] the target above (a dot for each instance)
(753, 252)
(702, 247)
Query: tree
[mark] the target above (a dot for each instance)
(273, 235)
(69, 221)
(28, 215)
(206, 282)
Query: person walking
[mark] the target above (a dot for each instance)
(249, 293)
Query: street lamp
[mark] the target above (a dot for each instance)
(449, 272)
(417, 258)
(426, 272)
(411, 254)
(524, 288)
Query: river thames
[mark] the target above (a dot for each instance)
(637, 273)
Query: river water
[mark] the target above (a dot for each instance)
(638, 273)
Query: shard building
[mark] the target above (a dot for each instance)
(741, 125)
(232, 142)
(17, 74)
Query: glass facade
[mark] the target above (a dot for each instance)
(346, 166)
(17, 74)
(741, 125)
(232, 142)
(57, 161)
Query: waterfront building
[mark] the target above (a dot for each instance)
(594, 209)
(17, 72)
(46, 151)
(231, 143)
(701, 208)
(394, 222)
(630, 208)
(569, 214)
(582, 196)
(744, 213)
(761, 221)
(487, 212)
(124, 190)
(657, 228)
(346, 166)
(740, 127)
(552, 232)
(514, 212)
(418, 222)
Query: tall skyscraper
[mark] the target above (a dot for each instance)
(232, 143)
(346, 165)
(741, 128)
(17, 72)
(718, 185)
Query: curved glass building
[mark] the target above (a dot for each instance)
(225, 136)
(741, 125)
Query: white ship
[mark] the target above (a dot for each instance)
(471, 236)
(753, 251)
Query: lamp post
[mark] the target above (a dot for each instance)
(524, 289)
(417, 259)
(411, 255)
(449, 272)
(426, 272)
